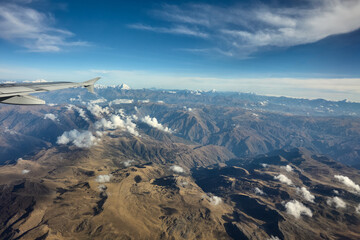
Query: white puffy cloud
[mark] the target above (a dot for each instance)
(121, 101)
(128, 163)
(99, 133)
(50, 116)
(121, 112)
(113, 123)
(144, 101)
(25, 171)
(103, 178)
(102, 187)
(153, 122)
(81, 139)
(131, 127)
(273, 238)
(177, 169)
(116, 122)
(284, 179)
(288, 168)
(264, 165)
(81, 111)
(336, 202)
(134, 117)
(104, 124)
(33, 29)
(348, 182)
(357, 209)
(187, 108)
(297, 209)
(306, 194)
(255, 115)
(215, 200)
(258, 191)
(99, 100)
(183, 183)
(98, 111)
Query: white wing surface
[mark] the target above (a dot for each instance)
(19, 93)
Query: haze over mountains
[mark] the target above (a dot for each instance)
(246, 124)
(179, 164)
(145, 160)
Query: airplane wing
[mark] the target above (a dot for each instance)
(19, 93)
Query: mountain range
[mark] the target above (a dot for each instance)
(171, 164)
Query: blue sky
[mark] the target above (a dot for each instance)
(302, 48)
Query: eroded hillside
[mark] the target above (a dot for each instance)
(137, 164)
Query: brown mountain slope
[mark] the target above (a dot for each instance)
(249, 133)
(98, 193)
(61, 196)
(262, 200)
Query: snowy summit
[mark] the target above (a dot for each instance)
(124, 87)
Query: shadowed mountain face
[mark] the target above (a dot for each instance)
(258, 196)
(243, 124)
(26, 130)
(247, 133)
(142, 164)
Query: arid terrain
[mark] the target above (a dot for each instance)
(154, 164)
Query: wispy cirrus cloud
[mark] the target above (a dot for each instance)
(33, 30)
(242, 30)
(180, 30)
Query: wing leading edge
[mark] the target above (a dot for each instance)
(19, 93)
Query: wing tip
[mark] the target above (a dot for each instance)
(89, 85)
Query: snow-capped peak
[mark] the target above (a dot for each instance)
(124, 87)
